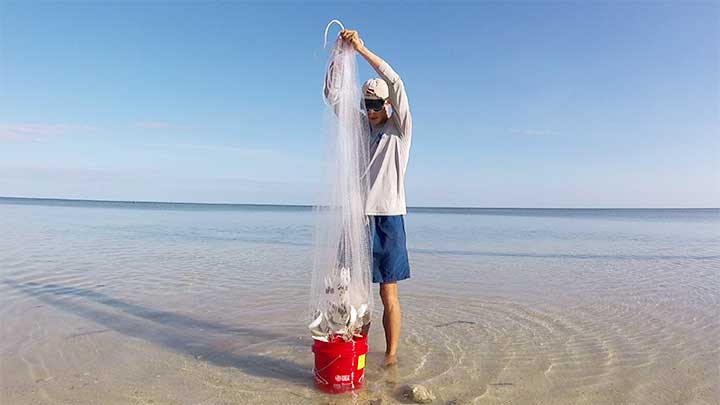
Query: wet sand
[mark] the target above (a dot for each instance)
(215, 322)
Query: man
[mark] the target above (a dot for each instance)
(390, 146)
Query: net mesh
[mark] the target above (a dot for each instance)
(341, 299)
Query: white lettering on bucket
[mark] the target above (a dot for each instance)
(345, 377)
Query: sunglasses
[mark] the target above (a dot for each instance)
(375, 105)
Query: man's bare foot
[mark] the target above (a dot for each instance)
(390, 360)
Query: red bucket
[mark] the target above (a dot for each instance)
(340, 365)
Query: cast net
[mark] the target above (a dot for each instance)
(341, 299)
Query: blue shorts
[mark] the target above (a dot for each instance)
(390, 256)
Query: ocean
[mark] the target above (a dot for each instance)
(134, 302)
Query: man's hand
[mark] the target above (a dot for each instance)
(353, 38)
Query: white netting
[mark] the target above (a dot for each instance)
(341, 298)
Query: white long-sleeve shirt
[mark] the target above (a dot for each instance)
(390, 151)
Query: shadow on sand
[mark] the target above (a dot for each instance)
(181, 333)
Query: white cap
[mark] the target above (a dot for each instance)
(375, 89)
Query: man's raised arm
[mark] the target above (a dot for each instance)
(396, 88)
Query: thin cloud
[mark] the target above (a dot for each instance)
(36, 132)
(533, 132)
(156, 125)
(223, 148)
(264, 154)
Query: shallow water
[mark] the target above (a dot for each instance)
(164, 303)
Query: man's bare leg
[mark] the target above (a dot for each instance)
(391, 321)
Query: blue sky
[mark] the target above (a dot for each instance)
(515, 104)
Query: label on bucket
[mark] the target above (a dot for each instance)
(343, 378)
(361, 362)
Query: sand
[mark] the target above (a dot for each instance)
(132, 312)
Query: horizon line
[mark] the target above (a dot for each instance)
(312, 206)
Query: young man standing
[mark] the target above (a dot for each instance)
(390, 147)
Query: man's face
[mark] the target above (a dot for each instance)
(377, 111)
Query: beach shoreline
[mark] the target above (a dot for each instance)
(203, 306)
